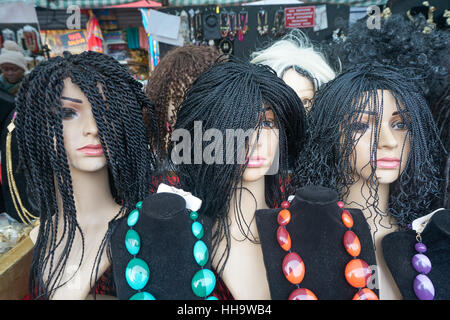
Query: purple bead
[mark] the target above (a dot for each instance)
(423, 287)
(421, 263)
(420, 247)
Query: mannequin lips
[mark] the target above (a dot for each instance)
(256, 161)
(92, 150)
(388, 163)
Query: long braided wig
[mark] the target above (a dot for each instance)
(422, 57)
(328, 157)
(233, 95)
(117, 110)
(168, 83)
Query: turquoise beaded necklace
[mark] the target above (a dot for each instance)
(137, 272)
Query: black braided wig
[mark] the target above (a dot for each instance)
(401, 43)
(422, 57)
(121, 131)
(328, 157)
(233, 95)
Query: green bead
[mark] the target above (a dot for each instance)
(203, 283)
(139, 205)
(132, 242)
(133, 218)
(197, 230)
(142, 296)
(212, 298)
(194, 215)
(201, 253)
(137, 273)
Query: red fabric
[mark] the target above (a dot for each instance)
(105, 284)
(221, 291)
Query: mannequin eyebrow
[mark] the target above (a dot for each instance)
(356, 115)
(371, 113)
(72, 99)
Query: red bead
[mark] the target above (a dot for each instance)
(284, 217)
(284, 239)
(347, 219)
(293, 268)
(352, 244)
(357, 273)
(302, 294)
(285, 204)
(340, 204)
(365, 294)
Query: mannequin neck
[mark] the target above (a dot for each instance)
(359, 197)
(249, 197)
(92, 196)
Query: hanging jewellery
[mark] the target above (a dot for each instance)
(233, 24)
(191, 25)
(242, 27)
(279, 27)
(198, 26)
(263, 27)
(224, 24)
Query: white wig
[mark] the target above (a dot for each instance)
(296, 51)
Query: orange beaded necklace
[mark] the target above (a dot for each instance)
(293, 265)
(357, 271)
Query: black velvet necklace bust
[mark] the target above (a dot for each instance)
(317, 232)
(398, 250)
(167, 245)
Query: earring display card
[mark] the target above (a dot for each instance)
(165, 28)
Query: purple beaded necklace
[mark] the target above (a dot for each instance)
(423, 287)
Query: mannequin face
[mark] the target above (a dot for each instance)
(393, 142)
(302, 86)
(81, 141)
(262, 152)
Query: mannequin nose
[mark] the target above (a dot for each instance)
(90, 126)
(387, 138)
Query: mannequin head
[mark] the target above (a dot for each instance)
(166, 86)
(65, 105)
(298, 63)
(421, 56)
(370, 126)
(240, 96)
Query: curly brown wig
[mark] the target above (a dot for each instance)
(167, 84)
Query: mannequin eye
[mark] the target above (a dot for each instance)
(399, 125)
(360, 127)
(307, 103)
(68, 113)
(268, 124)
